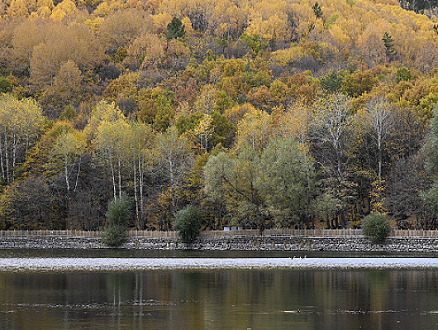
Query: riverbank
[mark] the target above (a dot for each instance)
(254, 243)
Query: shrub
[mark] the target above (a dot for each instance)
(331, 83)
(376, 227)
(403, 74)
(117, 216)
(5, 85)
(114, 236)
(188, 224)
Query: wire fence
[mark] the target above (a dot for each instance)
(224, 233)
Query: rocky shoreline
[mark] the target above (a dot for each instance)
(248, 243)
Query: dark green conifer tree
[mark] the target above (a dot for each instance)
(175, 29)
(388, 41)
(317, 10)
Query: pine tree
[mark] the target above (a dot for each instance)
(317, 10)
(175, 29)
(388, 41)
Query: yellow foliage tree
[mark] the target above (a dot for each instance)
(21, 8)
(65, 89)
(254, 130)
(20, 121)
(63, 9)
(122, 27)
(101, 112)
(295, 122)
(110, 144)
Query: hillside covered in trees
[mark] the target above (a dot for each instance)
(259, 113)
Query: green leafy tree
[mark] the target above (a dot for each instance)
(233, 180)
(188, 224)
(223, 43)
(376, 227)
(156, 107)
(223, 129)
(430, 199)
(430, 150)
(187, 123)
(326, 206)
(254, 42)
(286, 182)
(68, 114)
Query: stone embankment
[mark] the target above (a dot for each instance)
(246, 243)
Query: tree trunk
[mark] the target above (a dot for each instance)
(136, 195)
(6, 155)
(113, 178)
(67, 184)
(2, 161)
(141, 177)
(120, 177)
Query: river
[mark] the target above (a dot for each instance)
(218, 298)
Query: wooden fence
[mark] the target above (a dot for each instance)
(223, 233)
(316, 233)
(84, 233)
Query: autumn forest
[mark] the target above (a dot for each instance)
(258, 113)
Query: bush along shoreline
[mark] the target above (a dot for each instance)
(248, 243)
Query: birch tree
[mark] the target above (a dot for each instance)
(173, 158)
(111, 146)
(20, 121)
(331, 139)
(331, 134)
(140, 143)
(203, 132)
(380, 123)
(67, 152)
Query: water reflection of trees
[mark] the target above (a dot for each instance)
(221, 299)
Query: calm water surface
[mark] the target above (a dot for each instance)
(228, 299)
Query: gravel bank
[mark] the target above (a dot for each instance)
(143, 264)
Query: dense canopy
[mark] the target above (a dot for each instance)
(258, 113)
